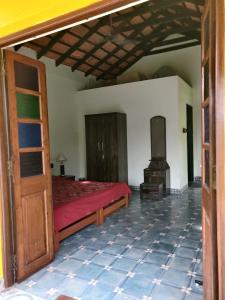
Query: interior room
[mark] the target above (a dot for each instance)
(124, 116)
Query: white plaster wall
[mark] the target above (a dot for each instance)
(61, 86)
(140, 101)
(187, 64)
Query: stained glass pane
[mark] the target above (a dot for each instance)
(26, 76)
(31, 164)
(29, 135)
(206, 124)
(27, 106)
(207, 174)
(206, 81)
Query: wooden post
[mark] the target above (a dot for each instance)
(100, 216)
(126, 201)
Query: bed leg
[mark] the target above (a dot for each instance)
(56, 241)
(126, 201)
(100, 217)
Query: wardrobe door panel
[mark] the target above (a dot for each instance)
(110, 148)
(106, 147)
(91, 146)
(94, 140)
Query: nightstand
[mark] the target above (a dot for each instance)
(70, 177)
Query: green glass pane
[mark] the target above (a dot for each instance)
(27, 106)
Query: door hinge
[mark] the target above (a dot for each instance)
(3, 70)
(14, 266)
(10, 168)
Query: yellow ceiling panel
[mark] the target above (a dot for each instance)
(16, 15)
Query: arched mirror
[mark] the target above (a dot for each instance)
(158, 137)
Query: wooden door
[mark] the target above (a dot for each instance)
(209, 220)
(27, 109)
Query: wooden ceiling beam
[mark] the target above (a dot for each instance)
(156, 7)
(58, 53)
(51, 43)
(176, 41)
(148, 38)
(177, 47)
(157, 33)
(95, 28)
(93, 44)
(130, 37)
(105, 40)
(138, 10)
(157, 21)
(161, 43)
(135, 33)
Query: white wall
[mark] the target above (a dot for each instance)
(140, 101)
(187, 64)
(61, 86)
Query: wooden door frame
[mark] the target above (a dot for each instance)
(220, 141)
(76, 16)
(5, 201)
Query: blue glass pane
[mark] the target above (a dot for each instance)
(29, 135)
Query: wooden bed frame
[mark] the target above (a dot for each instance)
(97, 218)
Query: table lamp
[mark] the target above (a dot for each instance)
(60, 159)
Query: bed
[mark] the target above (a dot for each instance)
(81, 203)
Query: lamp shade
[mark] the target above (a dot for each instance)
(60, 158)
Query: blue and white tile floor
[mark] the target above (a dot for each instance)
(152, 250)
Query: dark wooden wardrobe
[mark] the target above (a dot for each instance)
(106, 147)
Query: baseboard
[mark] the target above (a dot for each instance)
(135, 188)
(169, 191)
(179, 191)
(198, 179)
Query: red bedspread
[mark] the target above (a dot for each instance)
(73, 200)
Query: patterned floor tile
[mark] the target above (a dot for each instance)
(114, 249)
(176, 278)
(181, 264)
(156, 258)
(99, 291)
(89, 271)
(138, 286)
(124, 264)
(162, 292)
(149, 270)
(152, 250)
(112, 277)
(83, 254)
(69, 265)
(134, 253)
(103, 259)
(73, 287)
(194, 296)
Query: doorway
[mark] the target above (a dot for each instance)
(190, 151)
(219, 174)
